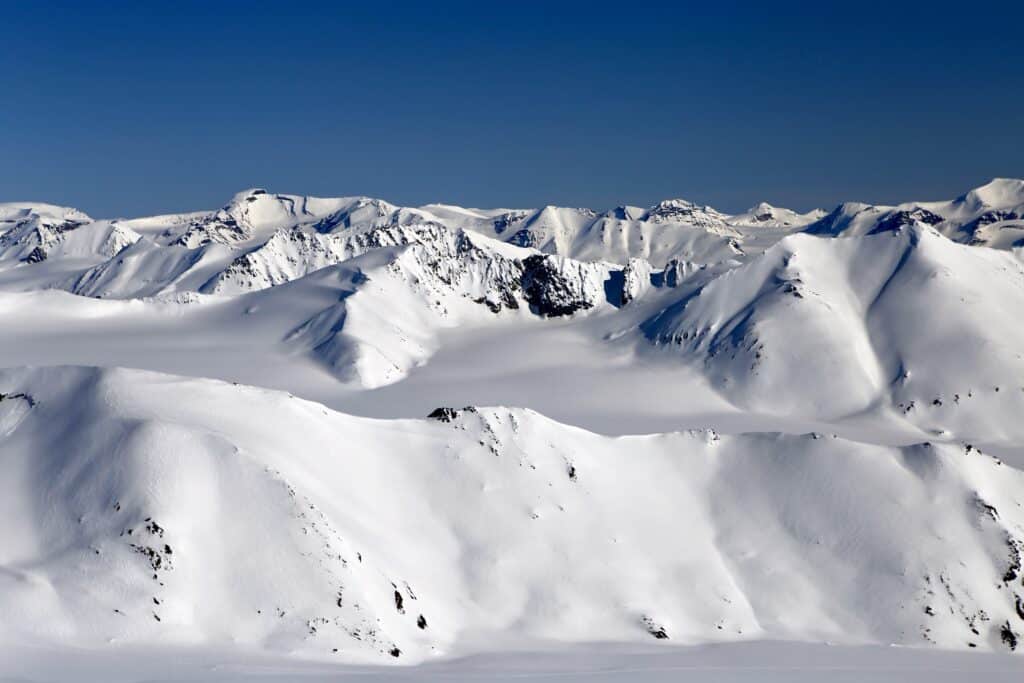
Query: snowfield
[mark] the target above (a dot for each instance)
(304, 437)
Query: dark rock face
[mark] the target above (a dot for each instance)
(655, 629)
(836, 220)
(18, 396)
(825, 225)
(438, 261)
(1009, 636)
(899, 219)
(524, 238)
(549, 292)
(222, 228)
(443, 414)
(991, 217)
(67, 226)
(985, 219)
(44, 236)
(450, 414)
(501, 274)
(37, 255)
(507, 220)
(674, 273)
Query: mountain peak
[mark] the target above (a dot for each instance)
(997, 193)
(12, 211)
(765, 215)
(684, 211)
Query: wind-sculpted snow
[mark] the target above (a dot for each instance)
(145, 508)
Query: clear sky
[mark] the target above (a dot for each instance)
(147, 107)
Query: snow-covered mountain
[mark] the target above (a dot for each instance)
(832, 327)
(991, 215)
(764, 215)
(31, 233)
(145, 508)
(705, 427)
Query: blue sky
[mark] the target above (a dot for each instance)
(135, 108)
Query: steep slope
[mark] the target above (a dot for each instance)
(143, 508)
(827, 327)
(147, 269)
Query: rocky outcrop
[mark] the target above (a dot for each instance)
(556, 287)
(434, 260)
(682, 211)
(34, 237)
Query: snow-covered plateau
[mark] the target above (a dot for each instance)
(300, 437)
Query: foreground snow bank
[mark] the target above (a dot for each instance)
(144, 509)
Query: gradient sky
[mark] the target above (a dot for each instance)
(141, 108)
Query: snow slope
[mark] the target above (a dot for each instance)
(142, 507)
(830, 327)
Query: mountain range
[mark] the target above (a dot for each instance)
(344, 429)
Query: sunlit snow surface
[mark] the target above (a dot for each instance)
(713, 442)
